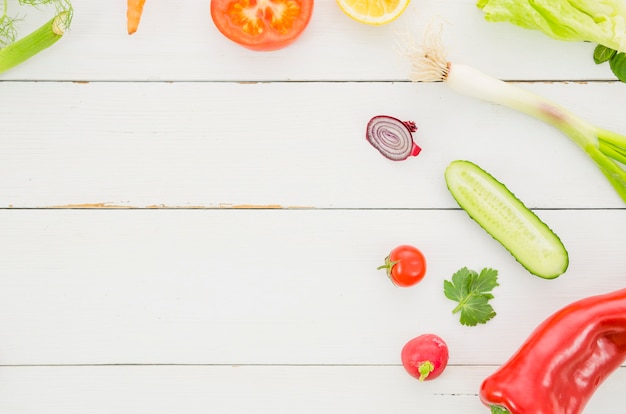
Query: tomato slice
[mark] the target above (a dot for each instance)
(262, 24)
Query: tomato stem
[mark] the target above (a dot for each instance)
(388, 265)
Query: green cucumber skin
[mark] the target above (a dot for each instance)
(558, 260)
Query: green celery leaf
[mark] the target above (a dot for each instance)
(472, 291)
(459, 287)
(485, 281)
(476, 309)
(598, 21)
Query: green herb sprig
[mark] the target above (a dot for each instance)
(472, 291)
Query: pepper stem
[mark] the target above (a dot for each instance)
(498, 409)
(425, 368)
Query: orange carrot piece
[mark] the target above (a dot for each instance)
(133, 14)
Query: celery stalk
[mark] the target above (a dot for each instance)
(30, 45)
(13, 52)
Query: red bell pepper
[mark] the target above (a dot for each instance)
(564, 360)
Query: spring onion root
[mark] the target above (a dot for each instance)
(42, 38)
(606, 148)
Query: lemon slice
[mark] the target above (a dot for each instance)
(374, 12)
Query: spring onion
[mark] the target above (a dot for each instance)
(606, 148)
(392, 138)
(13, 51)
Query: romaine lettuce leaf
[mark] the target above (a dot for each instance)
(598, 21)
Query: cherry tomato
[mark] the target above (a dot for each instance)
(262, 24)
(425, 357)
(405, 265)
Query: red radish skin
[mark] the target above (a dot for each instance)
(425, 357)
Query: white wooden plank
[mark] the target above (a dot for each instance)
(224, 144)
(178, 41)
(259, 389)
(286, 284)
(225, 389)
(270, 286)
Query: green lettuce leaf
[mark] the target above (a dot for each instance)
(598, 21)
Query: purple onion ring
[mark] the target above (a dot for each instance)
(392, 138)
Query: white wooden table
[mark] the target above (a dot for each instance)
(191, 227)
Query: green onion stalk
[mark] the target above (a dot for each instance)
(14, 52)
(606, 148)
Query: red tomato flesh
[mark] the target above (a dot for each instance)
(262, 24)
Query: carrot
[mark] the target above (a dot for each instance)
(133, 14)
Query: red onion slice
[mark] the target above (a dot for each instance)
(392, 138)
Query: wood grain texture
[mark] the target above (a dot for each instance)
(188, 226)
(271, 286)
(265, 389)
(178, 42)
(283, 144)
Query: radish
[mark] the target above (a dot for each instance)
(425, 357)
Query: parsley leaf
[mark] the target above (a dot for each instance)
(472, 291)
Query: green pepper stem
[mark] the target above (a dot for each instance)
(42, 38)
(498, 409)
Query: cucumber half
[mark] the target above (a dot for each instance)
(488, 202)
